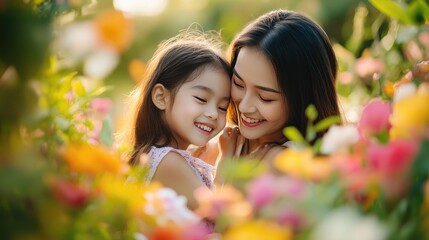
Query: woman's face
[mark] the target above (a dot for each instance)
(261, 104)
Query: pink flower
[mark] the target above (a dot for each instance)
(262, 190)
(393, 158)
(424, 39)
(291, 186)
(374, 118)
(365, 67)
(291, 218)
(392, 163)
(101, 105)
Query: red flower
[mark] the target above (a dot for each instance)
(70, 194)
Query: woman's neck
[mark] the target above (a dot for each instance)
(260, 142)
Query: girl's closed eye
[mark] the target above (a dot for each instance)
(223, 109)
(200, 99)
(236, 83)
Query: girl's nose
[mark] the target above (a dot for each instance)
(211, 113)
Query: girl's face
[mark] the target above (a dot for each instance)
(198, 112)
(262, 107)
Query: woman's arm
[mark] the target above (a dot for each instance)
(270, 157)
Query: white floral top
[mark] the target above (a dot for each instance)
(202, 169)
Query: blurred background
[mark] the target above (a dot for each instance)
(103, 47)
(67, 66)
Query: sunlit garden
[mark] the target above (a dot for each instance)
(67, 68)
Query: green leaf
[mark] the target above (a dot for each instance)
(418, 12)
(424, 6)
(317, 146)
(310, 134)
(106, 132)
(78, 88)
(326, 123)
(311, 112)
(392, 9)
(293, 134)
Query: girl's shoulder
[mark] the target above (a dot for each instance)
(158, 153)
(178, 162)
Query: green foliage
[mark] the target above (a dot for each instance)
(416, 12)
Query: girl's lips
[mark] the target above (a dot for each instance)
(207, 133)
(204, 128)
(248, 124)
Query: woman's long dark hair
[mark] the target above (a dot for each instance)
(303, 59)
(176, 61)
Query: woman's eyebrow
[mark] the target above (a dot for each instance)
(258, 86)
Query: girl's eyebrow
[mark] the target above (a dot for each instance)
(209, 90)
(257, 86)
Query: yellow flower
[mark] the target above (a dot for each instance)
(256, 230)
(85, 158)
(132, 193)
(302, 164)
(410, 116)
(114, 29)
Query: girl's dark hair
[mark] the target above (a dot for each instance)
(303, 59)
(176, 61)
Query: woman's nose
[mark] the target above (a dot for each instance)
(246, 104)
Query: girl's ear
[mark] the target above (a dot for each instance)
(160, 96)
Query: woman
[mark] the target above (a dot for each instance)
(282, 62)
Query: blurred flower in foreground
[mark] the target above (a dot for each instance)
(346, 223)
(339, 138)
(168, 207)
(392, 163)
(226, 201)
(259, 229)
(85, 158)
(410, 116)
(374, 118)
(303, 164)
(71, 194)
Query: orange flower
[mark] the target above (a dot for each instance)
(227, 200)
(137, 68)
(389, 89)
(90, 159)
(114, 29)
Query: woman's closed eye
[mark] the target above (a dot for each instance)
(199, 99)
(266, 99)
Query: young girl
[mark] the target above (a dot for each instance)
(182, 100)
(282, 62)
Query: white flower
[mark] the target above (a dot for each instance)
(404, 90)
(76, 41)
(100, 63)
(339, 138)
(167, 206)
(346, 223)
